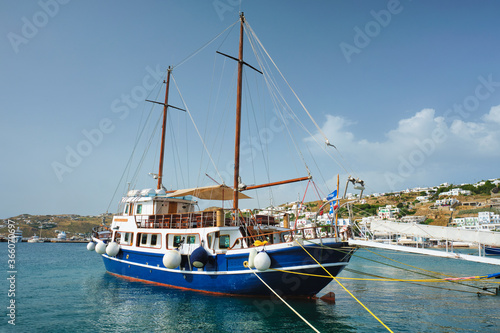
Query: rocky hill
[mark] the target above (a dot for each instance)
(469, 205)
(50, 225)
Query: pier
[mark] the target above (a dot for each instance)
(480, 238)
(435, 253)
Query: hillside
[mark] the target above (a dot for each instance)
(470, 205)
(435, 216)
(72, 224)
(409, 205)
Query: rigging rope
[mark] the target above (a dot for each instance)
(283, 77)
(270, 83)
(204, 46)
(302, 105)
(397, 267)
(207, 118)
(294, 311)
(336, 280)
(196, 128)
(138, 138)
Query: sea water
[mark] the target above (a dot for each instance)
(64, 288)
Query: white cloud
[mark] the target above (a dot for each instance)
(422, 150)
(493, 115)
(335, 130)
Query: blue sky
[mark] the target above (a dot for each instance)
(408, 91)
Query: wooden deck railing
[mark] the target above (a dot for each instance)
(283, 236)
(197, 220)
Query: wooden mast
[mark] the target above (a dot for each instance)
(253, 187)
(163, 130)
(238, 118)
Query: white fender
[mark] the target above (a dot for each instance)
(251, 258)
(100, 248)
(112, 249)
(172, 259)
(262, 261)
(91, 246)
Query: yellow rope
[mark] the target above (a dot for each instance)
(382, 280)
(402, 263)
(333, 277)
(298, 314)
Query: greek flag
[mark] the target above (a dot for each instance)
(332, 195)
(333, 204)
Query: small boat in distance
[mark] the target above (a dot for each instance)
(159, 236)
(35, 239)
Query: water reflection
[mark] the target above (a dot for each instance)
(124, 305)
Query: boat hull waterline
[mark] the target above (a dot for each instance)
(226, 274)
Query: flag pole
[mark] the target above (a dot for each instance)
(336, 212)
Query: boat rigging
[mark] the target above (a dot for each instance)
(158, 235)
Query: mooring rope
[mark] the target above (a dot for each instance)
(357, 300)
(409, 270)
(298, 314)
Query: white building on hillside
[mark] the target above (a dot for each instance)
(423, 198)
(447, 202)
(456, 192)
(387, 212)
(484, 221)
(469, 222)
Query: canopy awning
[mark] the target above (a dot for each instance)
(216, 192)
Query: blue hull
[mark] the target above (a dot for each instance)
(492, 250)
(225, 274)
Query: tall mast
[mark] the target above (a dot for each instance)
(163, 130)
(238, 118)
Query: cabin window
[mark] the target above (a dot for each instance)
(126, 238)
(209, 240)
(126, 209)
(224, 242)
(144, 239)
(154, 239)
(177, 241)
(149, 240)
(139, 209)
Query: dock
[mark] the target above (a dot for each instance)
(447, 234)
(435, 253)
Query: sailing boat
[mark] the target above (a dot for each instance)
(36, 239)
(158, 237)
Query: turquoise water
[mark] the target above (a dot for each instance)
(64, 288)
